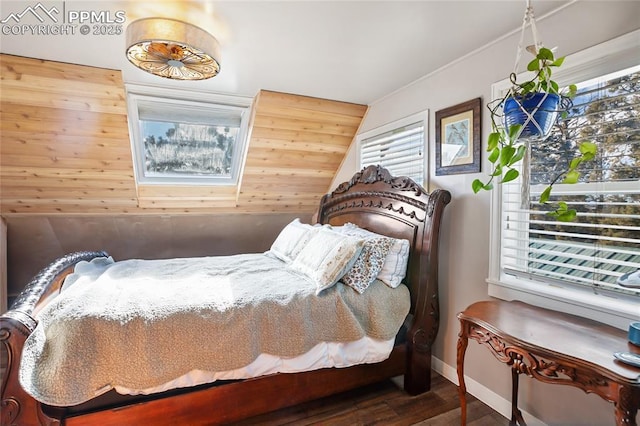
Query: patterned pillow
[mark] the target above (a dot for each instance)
(395, 265)
(367, 266)
(326, 257)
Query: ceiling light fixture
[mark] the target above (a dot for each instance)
(172, 49)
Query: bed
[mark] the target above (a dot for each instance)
(372, 201)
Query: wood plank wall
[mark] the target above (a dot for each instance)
(65, 148)
(65, 139)
(296, 146)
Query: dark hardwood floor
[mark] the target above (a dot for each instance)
(385, 404)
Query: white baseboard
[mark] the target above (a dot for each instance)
(484, 394)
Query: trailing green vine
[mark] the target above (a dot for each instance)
(507, 150)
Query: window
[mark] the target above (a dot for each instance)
(398, 147)
(590, 262)
(178, 141)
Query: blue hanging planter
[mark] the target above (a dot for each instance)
(543, 109)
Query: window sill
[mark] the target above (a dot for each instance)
(615, 311)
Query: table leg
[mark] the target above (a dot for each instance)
(627, 406)
(516, 414)
(463, 341)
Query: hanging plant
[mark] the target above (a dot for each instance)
(527, 113)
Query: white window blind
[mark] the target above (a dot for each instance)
(400, 150)
(156, 110)
(601, 249)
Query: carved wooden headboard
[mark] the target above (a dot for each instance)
(400, 208)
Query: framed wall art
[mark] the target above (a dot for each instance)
(458, 138)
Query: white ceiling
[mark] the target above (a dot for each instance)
(355, 51)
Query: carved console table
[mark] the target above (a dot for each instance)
(552, 347)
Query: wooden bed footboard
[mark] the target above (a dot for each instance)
(17, 407)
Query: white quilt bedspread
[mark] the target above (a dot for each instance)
(142, 323)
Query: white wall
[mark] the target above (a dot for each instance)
(465, 236)
(3, 265)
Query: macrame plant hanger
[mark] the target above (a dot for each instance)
(529, 19)
(525, 175)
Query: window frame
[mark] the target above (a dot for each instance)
(422, 116)
(617, 310)
(202, 101)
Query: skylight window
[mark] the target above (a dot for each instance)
(177, 141)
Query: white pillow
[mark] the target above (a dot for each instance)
(367, 266)
(395, 264)
(291, 240)
(326, 257)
